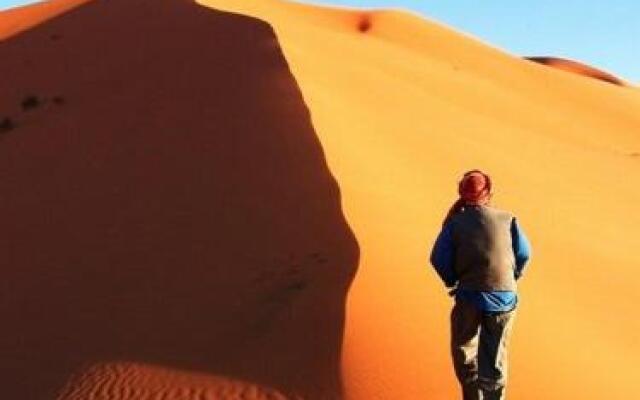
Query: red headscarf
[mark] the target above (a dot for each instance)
(473, 188)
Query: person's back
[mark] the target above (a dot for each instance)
(480, 252)
(484, 257)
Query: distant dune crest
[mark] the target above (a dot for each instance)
(578, 68)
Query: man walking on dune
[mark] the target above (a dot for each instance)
(480, 253)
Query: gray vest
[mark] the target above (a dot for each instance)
(484, 258)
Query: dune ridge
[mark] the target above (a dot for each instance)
(171, 228)
(578, 68)
(18, 19)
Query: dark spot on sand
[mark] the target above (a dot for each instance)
(30, 102)
(635, 154)
(364, 25)
(58, 100)
(293, 270)
(6, 124)
(296, 286)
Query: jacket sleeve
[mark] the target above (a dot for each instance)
(443, 255)
(521, 248)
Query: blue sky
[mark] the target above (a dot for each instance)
(597, 32)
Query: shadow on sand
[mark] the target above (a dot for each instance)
(165, 201)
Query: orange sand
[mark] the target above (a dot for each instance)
(18, 19)
(401, 107)
(401, 111)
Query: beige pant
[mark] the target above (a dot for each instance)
(479, 349)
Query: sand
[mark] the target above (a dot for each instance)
(344, 121)
(167, 211)
(18, 19)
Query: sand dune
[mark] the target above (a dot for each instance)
(166, 205)
(401, 110)
(578, 68)
(174, 212)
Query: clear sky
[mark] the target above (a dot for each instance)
(604, 33)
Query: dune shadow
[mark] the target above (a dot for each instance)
(165, 201)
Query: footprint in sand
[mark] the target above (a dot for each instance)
(6, 124)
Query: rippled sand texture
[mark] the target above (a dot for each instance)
(143, 382)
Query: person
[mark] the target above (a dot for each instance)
(480, 253)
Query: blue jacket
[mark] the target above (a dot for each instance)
(442, 259)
